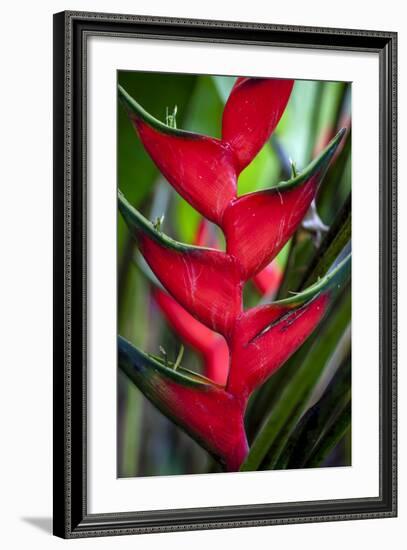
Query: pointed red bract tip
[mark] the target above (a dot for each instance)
(213, 417)
(266, 337)
(258, 225)
(210, 345)
(251, 113)
(205, 282)
(200, 168)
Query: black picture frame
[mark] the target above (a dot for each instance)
(71, 518)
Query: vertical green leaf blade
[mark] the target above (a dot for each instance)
(331, 438)
(313, 426)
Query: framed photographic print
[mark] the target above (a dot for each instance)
(224, 274)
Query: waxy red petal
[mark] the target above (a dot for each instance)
(265, 337)
(216, 362)
(193, 333)
(204, 410)
(199, 167)
(264, 354)
(251, 113)
(210, 345)
(258, 225)
(206, 282)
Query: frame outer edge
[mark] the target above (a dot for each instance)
(64, 233)
(59, 267)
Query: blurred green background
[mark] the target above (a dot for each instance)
(148, 443)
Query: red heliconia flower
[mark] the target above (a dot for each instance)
(208, 344)
(205, 285)
(202, 169)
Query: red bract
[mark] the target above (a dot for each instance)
(210, 345)
(252, 111)
(259, 224)
(266, 336)
(207, 343)
(200, 168)
(205, 285)
(205, 281)
(205, 410)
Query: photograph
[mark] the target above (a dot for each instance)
(234, 316)
(225, 282)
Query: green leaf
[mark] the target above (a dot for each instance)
(143, 369)
(331, 438)
(293, 129)
(289, 408)
(333, 281)
(312, 427)
(337, 184)
(137, 222)
(334, 242)
(205, 108)
(224, 85)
